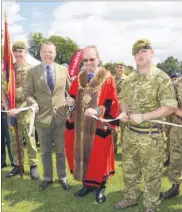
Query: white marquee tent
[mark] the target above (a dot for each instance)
(32, 61)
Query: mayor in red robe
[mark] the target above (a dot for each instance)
(88, 142)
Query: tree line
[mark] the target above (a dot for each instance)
(65, 48)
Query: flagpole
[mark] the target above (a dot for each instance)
(9, 69)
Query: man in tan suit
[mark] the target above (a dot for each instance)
(46, 87)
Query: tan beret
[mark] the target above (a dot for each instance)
(19, 45)
(141, 44)
(119, 63)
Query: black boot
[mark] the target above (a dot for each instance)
(100, 197)
(172, 192)
(84, 191)
(14, 171)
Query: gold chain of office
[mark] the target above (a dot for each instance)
(87, 98)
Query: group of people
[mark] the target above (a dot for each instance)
(81, 119)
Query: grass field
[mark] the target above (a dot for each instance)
(22, 195)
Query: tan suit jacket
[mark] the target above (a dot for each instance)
(51, 106)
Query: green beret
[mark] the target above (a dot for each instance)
(19, 45)
(119, 63)
(141, 44)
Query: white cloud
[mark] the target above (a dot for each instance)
(114, 26)
(12, 10)
(16, 30)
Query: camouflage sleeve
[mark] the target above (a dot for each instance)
(166, 93)
(22, 90)
(122, 94)
(4, 85)
(178, 89)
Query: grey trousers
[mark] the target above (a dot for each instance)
(46, 137)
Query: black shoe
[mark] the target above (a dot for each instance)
(65, 185)
(172, 192)
(15, 171)
(3, 165)
(13, 164)
(100, 197)
(34, 173)
(38, 145)
(44, 184)
(84, 191)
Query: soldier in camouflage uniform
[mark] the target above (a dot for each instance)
(175, 165)
(23, 118)
(146, 94)
(119, 77)
(168, 127)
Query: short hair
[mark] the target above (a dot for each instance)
(92, 47)
(47, 43)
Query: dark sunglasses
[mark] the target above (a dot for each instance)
(91, 60)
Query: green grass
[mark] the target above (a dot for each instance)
(22, 195)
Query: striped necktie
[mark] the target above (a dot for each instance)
(49, 79)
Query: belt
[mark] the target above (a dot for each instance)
(146, 130)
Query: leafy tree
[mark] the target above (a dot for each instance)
(170, 65)
(65, 47)
(34, 42)
(111, 67)
(129, 69)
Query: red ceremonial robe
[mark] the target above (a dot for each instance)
(88, 142)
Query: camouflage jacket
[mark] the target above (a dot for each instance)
(142, 93)
(21, 73)
(178, 90)
(119, 81)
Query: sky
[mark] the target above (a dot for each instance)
(112, 27)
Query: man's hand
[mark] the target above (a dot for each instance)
(137, 118)
(124, 117)
(13, 112)
(70, 101)
(36, 107)
(178, 112)
(90, 112)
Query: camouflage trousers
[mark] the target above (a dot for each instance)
(117, 135)
(23, 120)
(142, 154)
(167, 137)
(175, 165)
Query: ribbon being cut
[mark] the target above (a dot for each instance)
(154, 121)
(32, 119)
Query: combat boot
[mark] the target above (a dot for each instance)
(34, 172)
(172, 192)
(125, 203)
